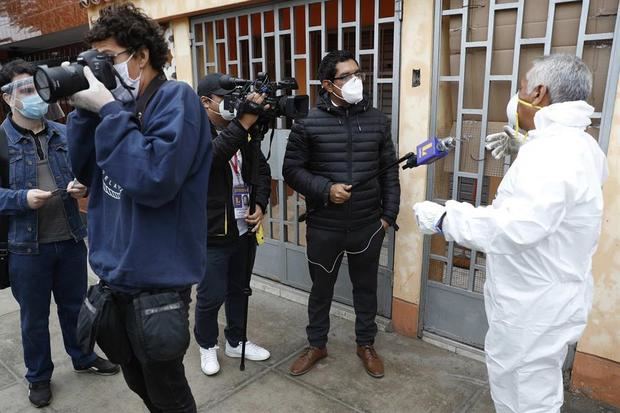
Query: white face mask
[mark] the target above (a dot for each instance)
(511, 110)
(225, 114)
(120, 92)
(352, 91)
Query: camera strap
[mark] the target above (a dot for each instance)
(144, 99)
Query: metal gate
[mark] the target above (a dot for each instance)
(289, 39)
(482, 48)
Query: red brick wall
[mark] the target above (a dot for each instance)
(23, 19)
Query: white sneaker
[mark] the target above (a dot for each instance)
(253, 352)
(208, 360)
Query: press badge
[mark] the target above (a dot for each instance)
(241, 200)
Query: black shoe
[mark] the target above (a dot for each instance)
(101, 367)
(40, 393)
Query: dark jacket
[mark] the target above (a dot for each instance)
(343, 145)
(147, 225)
(222, 225)
(23, 221)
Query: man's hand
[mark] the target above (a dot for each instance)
(76, 189)
(339, 193)
(427, 215)
(505, 143)
(93, 98)
(249, 119)
(37, 198)
(385, 224)
(255, 219)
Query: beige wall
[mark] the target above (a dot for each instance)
(415, 110)
(182, 49)
(602, 336)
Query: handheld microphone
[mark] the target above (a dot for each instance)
(430, 151)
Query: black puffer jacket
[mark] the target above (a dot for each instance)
(343, 145)
(221, 223)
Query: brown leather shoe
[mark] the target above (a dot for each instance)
(307, 359)
(372, 362)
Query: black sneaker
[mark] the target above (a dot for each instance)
(40, 393)
(101, 367)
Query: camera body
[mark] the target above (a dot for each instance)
(53, 83)
(286, 105)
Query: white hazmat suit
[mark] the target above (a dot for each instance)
(539, 234)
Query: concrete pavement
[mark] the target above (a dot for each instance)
(419, 377)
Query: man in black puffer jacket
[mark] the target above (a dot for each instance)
(342, 142)
(231, 230)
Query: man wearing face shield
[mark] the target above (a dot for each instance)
(539, 235)
(343, 141)
(232, 237)
(144, 150)
(47, 254)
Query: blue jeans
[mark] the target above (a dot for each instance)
(58, 268)
(224, 281)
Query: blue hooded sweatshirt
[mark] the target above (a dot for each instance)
(147, 219)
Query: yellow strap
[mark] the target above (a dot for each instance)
(260, 235)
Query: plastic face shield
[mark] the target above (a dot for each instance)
(23, 89)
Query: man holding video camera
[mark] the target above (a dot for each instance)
(343, 141)
(232, 229)
(47, 254)
(144, 150)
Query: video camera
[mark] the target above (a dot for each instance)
(53, 83)
(293, 107)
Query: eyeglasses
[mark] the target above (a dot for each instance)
(347, 77)
(112, 56)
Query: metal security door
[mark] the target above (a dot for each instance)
(482, 48)
(289, 39)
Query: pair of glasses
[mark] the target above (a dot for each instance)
(347, 77)
(112, 56)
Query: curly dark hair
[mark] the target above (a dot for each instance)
(327, 68)
(131, 28)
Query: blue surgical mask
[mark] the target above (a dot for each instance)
(33, 107)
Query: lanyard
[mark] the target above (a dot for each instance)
(235, 165)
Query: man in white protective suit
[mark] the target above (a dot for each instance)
(539, 235)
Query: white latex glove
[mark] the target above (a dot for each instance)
(427, 215)
(504, 143)
(93, 98)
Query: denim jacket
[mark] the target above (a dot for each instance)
(23, 221)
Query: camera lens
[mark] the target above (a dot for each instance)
(53, 83)
(42, 85)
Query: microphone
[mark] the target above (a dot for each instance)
(229, 82)
(430, 151)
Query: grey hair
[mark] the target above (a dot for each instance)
(566, 77)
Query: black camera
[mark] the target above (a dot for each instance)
(293, 107)
(53, 83)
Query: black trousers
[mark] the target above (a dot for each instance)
(224, 281)
(325, 253)
(162, 385)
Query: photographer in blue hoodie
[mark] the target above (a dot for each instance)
(147, 170)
